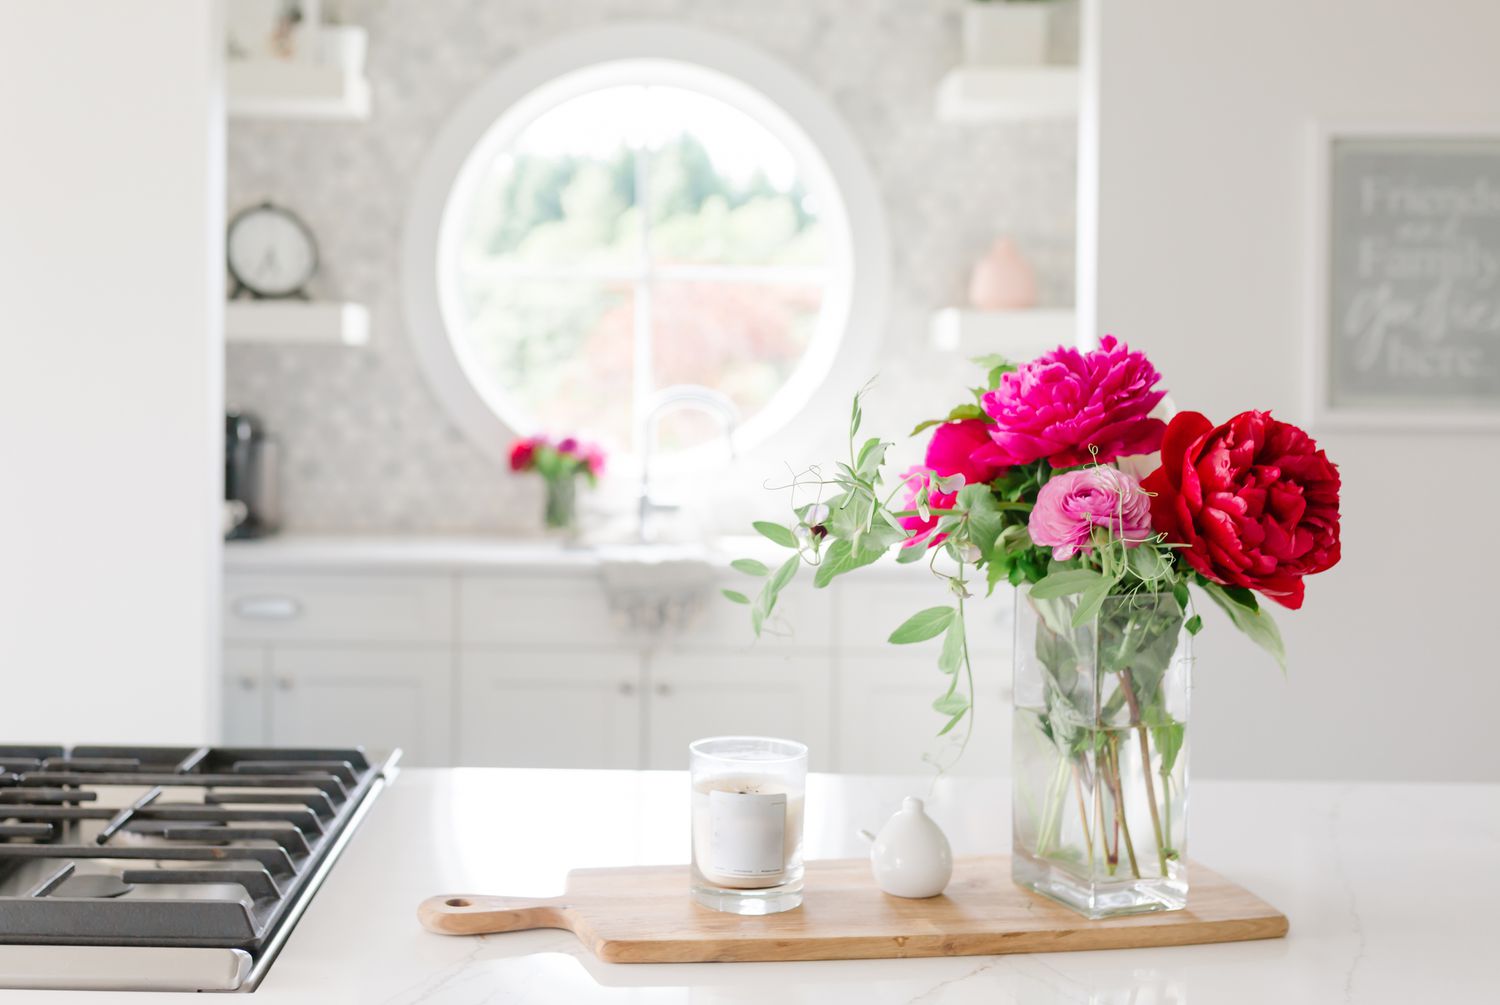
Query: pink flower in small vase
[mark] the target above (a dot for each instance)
(1072, 504)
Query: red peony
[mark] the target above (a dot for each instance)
(1065, 402)
(951, 451)
(1255, 501)
(523, 451)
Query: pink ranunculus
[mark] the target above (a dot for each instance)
(949, 452)
(1072, 504)
(1065, 402)
(523, 451)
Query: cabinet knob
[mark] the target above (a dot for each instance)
(664, 689)
(283, 683)
(627, 688)
(247, 682)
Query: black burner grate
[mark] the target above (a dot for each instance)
(126, 825)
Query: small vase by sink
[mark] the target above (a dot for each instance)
(561, 513)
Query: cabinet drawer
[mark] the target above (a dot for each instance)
(536, 610)
(869, 610)
(323, 608)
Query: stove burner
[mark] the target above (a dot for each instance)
(96, 886)
(195, 849)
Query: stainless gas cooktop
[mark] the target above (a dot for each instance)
(167, 868)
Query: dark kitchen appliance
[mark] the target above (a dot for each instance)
(251, 481)
(199, 860)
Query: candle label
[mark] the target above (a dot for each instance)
(749, 833)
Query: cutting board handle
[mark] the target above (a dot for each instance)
(464, 914)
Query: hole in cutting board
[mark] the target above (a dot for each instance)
(456, 902)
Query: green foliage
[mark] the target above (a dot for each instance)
(1248, 618)
(735, 596)
(924, 625)
(750, 567)
(776, 533)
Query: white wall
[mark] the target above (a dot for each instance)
(1203, 258)
(111, 210)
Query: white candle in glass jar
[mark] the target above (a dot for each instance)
(747, 830)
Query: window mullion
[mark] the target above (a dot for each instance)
(643, 381)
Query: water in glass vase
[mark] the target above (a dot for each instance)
(1099, 804)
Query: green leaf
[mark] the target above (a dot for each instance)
(953, 722)
(736, 596)
(924, 625)
(785, 573)
(1093, 598)
(1069, 581)
(925, 425)
(910, 553)
(1146, 562)
(750, 567)
(840, 558)
(1168, 740)
(871, 457)
(1255, 623)
(1180, 591)
(1194, 625)
(952, 655)
(775, 532)
(951, 704)
(966, 412)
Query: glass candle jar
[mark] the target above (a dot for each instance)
(747, 823)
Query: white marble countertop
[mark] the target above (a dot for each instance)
(1392, 893)
(333, 553)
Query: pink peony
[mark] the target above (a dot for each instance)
(949, 452)
(523, 452)
(1065, 401)
(1072, 504)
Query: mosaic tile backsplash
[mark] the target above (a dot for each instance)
(368, 448)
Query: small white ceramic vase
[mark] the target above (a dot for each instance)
(910, 856)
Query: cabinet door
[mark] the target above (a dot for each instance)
(375, 697)
(243, 699)
(549, 708)
(716, 694)
(885, 720)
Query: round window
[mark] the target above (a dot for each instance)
(633, 230)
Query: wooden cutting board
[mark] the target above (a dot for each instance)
(645, 915)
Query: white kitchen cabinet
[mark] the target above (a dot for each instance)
(380, 697)
(245, 695)
(360, 609)
(549, 707)
(885, 722)
(694, 695)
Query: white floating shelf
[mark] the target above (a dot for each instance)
(1008, 93)
(275, 89)
(1018, 334)
(296, 322)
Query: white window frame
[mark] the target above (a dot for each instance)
(843, 350)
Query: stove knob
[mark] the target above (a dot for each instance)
(248, 682)
(627, 688)
(283, 683)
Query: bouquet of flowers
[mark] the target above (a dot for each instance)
(560, 464)
(1061, 478)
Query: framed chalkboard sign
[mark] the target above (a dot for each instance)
(1406, 320)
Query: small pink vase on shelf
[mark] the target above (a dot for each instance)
(1002, 280)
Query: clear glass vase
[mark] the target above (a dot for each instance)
(1099, 804)
(562, 503)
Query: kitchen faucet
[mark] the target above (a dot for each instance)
(686, 397)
